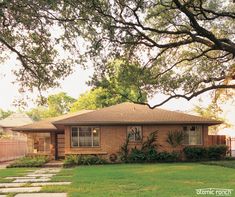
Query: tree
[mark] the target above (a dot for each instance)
(99, 98)
(38, 113)
(212, 111)
(187, 46)
(56, 105)
(26, 30)
(4, 114)
(122, 80)
(59, 104)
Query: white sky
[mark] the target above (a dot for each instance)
(75, 84)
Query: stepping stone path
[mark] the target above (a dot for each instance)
(42, 195)
(32, 182)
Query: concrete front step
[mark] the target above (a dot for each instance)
(42, 195)
(20, 189)
(54, 165)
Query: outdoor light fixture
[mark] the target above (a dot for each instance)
(94, 130)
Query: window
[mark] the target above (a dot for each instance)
(85, 136)
(134, 133)
(192, 135)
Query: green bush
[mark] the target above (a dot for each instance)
(72, 160)
(30, 161)
(168, 157)
(136, 156)
(194, 153)
(217, 152)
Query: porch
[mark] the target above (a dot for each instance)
(48, 143)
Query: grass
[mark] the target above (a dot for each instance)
(225, 163)
(145, 180)
(12, 172)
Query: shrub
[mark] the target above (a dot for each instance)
(150, 142)
(217, 152)
(151, 155)
(30, 161)
(168, 157)
(124, 150)
(136, 156)
(72, 160)
(193, 153)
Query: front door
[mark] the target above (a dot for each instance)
(60, 146)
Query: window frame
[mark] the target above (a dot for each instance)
(141, 132)
(92, 138)
(201, 130)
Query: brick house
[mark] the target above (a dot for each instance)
(103, 131)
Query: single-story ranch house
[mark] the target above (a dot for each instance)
(103, 131)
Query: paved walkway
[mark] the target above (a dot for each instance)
(25, 186)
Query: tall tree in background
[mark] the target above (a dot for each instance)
(187, 46)
(117, 84)
(56, 105)
(4, 114)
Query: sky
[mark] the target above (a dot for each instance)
(75, 84)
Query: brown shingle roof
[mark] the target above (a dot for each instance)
(129, 113)
(46, 125)
(15, 120)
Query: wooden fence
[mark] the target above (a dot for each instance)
(216, 139)
(11, 149)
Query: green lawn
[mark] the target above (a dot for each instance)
(12, 172)
(229, 164)
(129, 180)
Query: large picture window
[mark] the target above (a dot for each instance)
(134, 133)
(192, 135)
(85, 136)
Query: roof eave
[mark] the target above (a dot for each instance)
(209, 123)
(34, 129)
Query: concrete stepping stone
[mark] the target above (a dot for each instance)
(20, 189)
(42, 195)
(18, 177)
(40, 175)
(48, 170)
(51, 183)
(31, 180)
(11, 185)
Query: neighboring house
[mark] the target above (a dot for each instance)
(13, 144)
(12, 121)
(103, 131)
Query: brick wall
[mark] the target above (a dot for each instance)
(112, 137)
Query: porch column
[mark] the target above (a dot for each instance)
(52, 145)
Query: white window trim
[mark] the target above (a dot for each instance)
(189, 135)
(92, 138)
